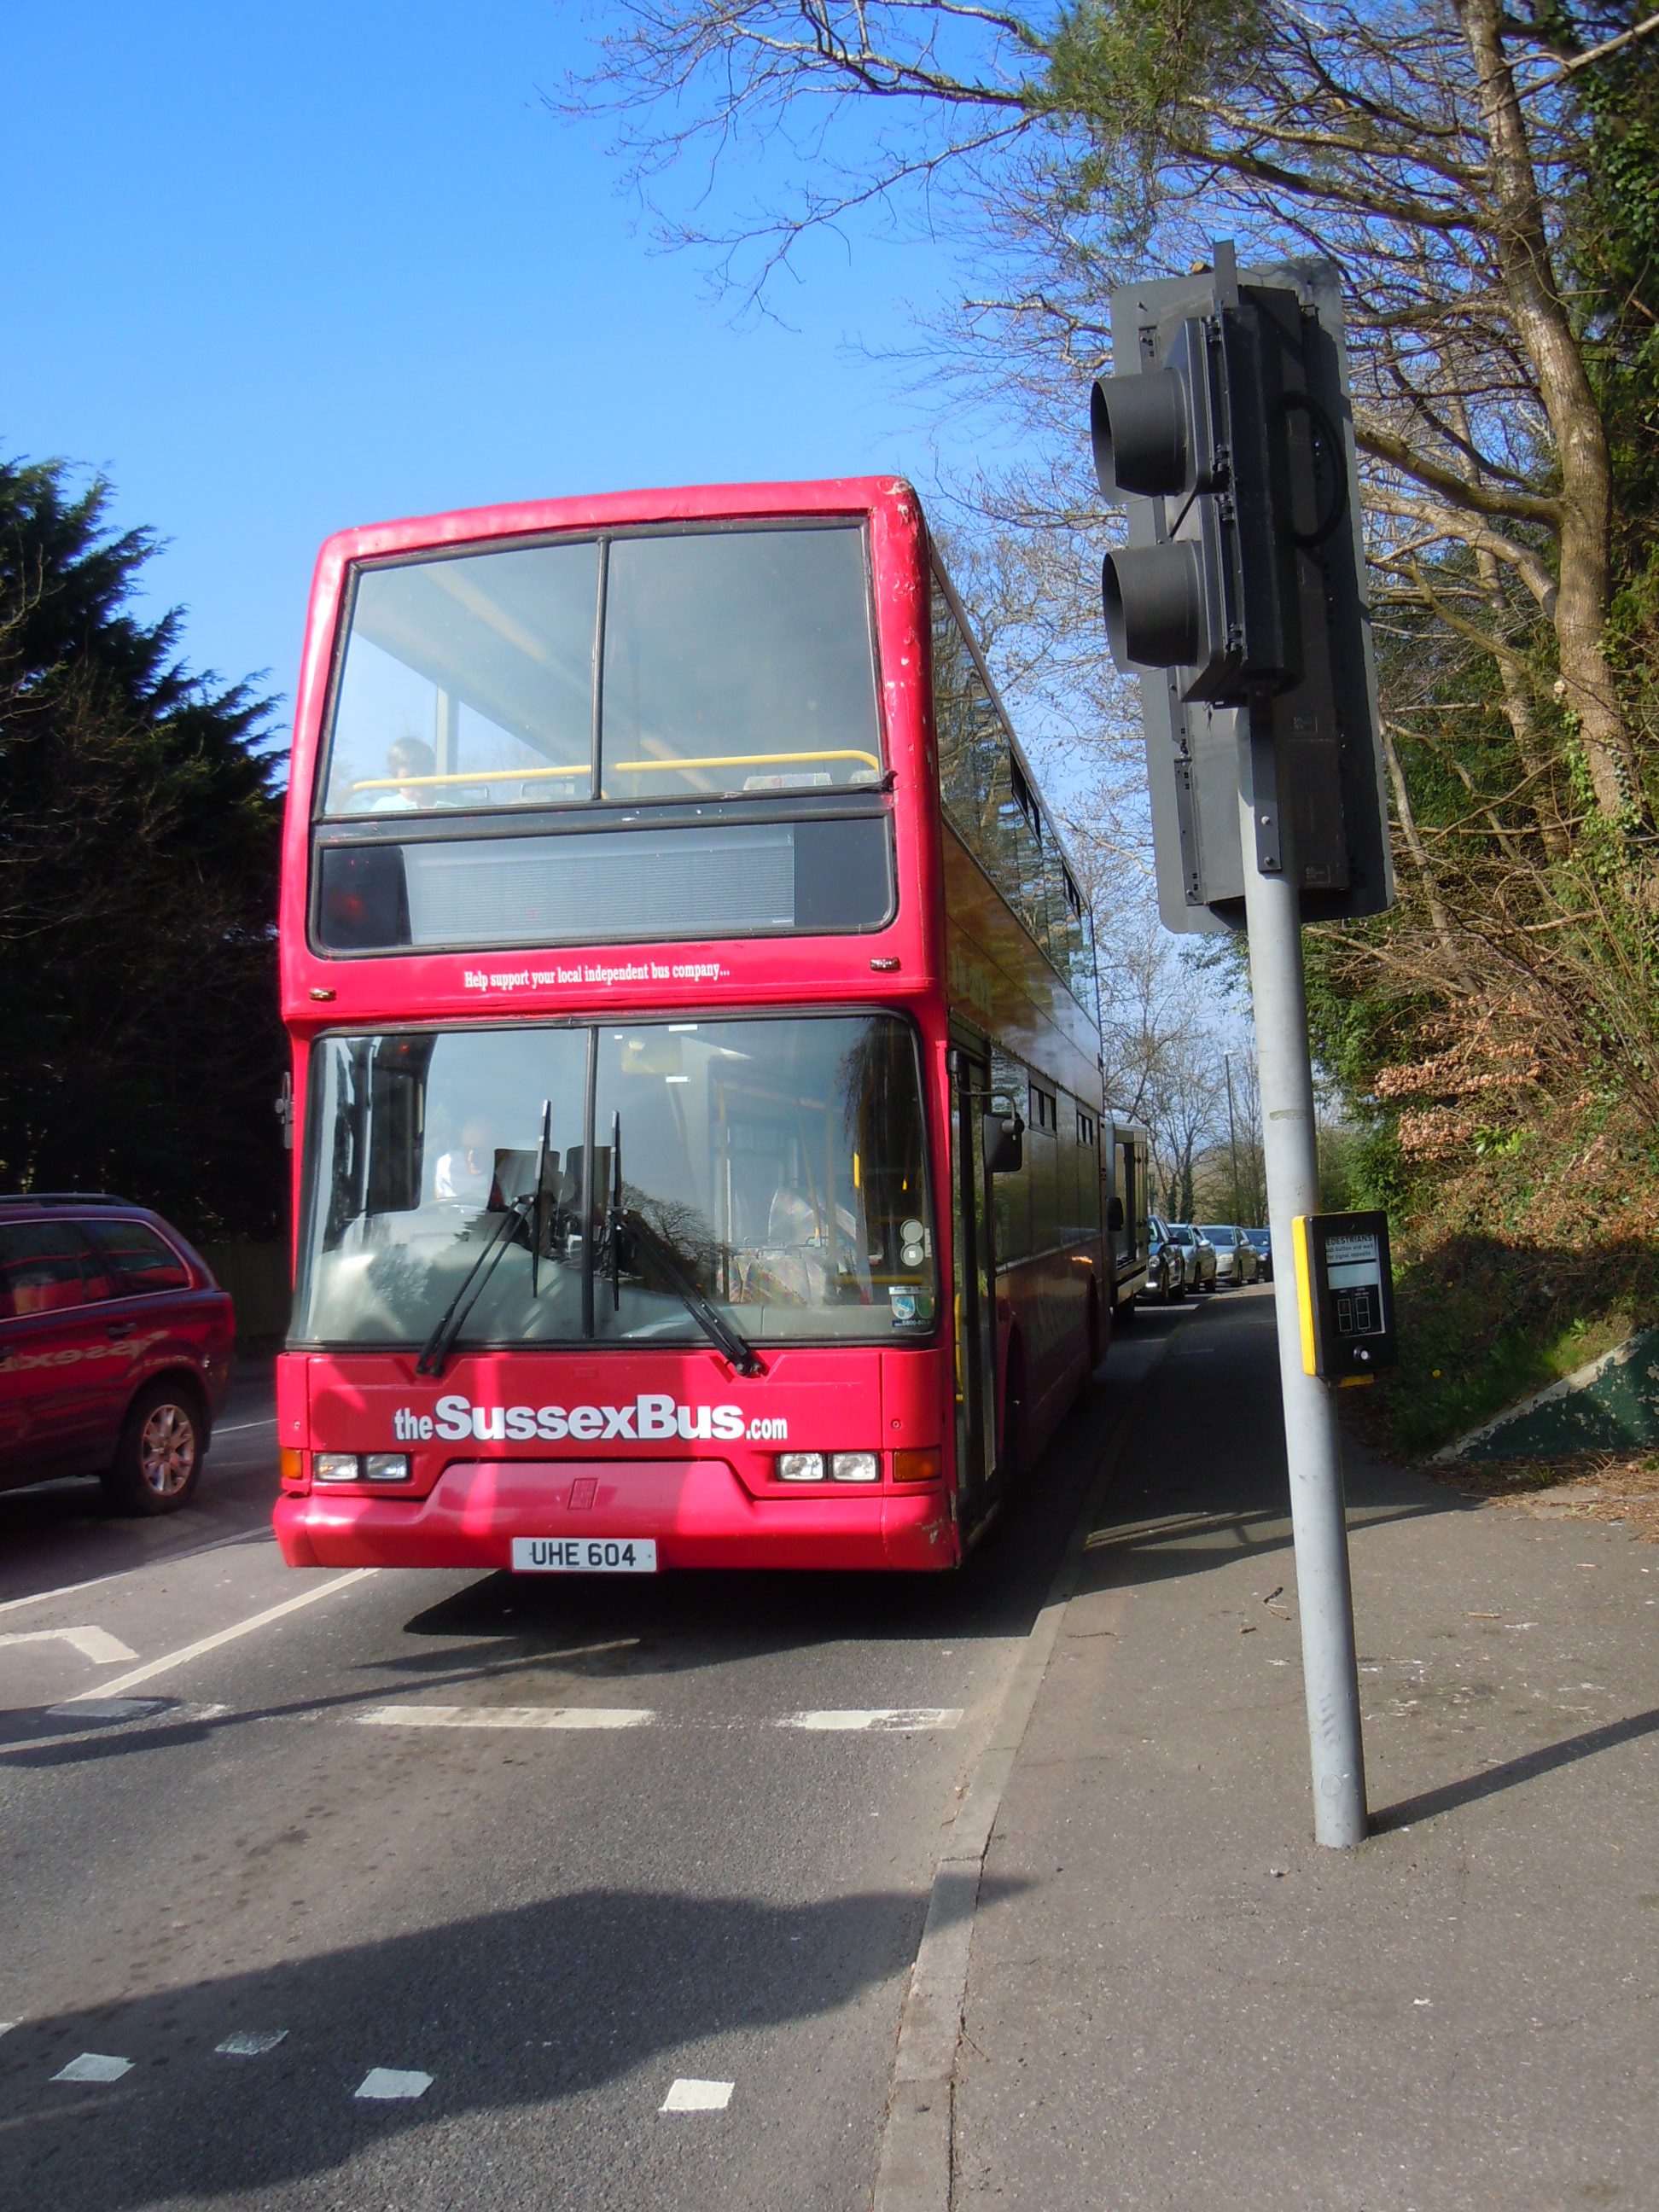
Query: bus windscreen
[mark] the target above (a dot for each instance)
(776, 1166)
(725, 662)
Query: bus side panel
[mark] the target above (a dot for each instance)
(1001, 983)
(1044, 1303)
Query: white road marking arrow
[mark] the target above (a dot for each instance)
(95, 1643)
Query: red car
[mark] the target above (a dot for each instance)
(117, 1349)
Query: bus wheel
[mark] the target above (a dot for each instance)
(1125, 1312)
(158, 1461)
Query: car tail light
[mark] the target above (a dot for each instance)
(855, 1466)
(800, 1466)
(335, 1467)
(916, 1466)
(385, 1466)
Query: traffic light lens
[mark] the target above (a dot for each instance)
(1153, 597)
(1142, 435)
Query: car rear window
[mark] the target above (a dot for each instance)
(45, 1266)
(142, 1259)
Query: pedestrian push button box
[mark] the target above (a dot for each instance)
(1345, 1291)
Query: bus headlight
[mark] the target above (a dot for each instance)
(800, 1466)
(335, 1466)
(385, 1466)
(855, 1466)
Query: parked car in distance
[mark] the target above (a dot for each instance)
(117, 1349)
(1198, 1254)
(1236, 1261)
(1262, 1242)
(1166, 1264)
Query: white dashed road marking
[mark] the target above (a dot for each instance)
(250, 2042)
(386, 2083)
(225, 1636)
(508, 1717)
(95, 1643)
(878, 1720)
(93, 2066)
(697, 2097)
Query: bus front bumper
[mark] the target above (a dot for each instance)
(695, 1511)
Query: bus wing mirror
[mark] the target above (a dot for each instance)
(1005, 1143)
(1115, 1213)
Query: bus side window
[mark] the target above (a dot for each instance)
(1089, 1172)
(1014, 1191)
(1069, 1164)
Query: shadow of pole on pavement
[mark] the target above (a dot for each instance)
(1527, 1768)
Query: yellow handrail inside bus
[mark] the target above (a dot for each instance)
(614, 768)
(478, 776)
(738, 760)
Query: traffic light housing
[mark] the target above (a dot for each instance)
(1238, 598)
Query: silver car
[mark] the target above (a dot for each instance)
(1198, 1254)
(1236, 1261)
(1166, 1263)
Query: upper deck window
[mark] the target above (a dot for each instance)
(990, 804)
(730, 661)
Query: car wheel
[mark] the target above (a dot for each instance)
(158, 1462)
(1179, 1294)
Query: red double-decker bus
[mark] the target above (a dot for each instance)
(695, 1054)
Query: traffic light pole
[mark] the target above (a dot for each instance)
(1313, 1446)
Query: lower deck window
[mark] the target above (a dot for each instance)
(776, 1166)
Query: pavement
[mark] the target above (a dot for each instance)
(1174, 1998)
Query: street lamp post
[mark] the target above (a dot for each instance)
(1232, 1131)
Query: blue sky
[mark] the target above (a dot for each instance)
(284, 269)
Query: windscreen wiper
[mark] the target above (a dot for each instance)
(538, 1199)
(436, 1349)
(737, 1348)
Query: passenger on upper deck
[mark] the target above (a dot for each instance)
(412, 757)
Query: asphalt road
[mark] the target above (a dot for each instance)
(58, 1533)
(532, 1862)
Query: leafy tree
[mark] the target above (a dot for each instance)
(1435, 151)
(139, 820)
(1487, 175)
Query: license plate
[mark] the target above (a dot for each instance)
(584, 1555)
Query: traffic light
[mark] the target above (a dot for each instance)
(1239, 596)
